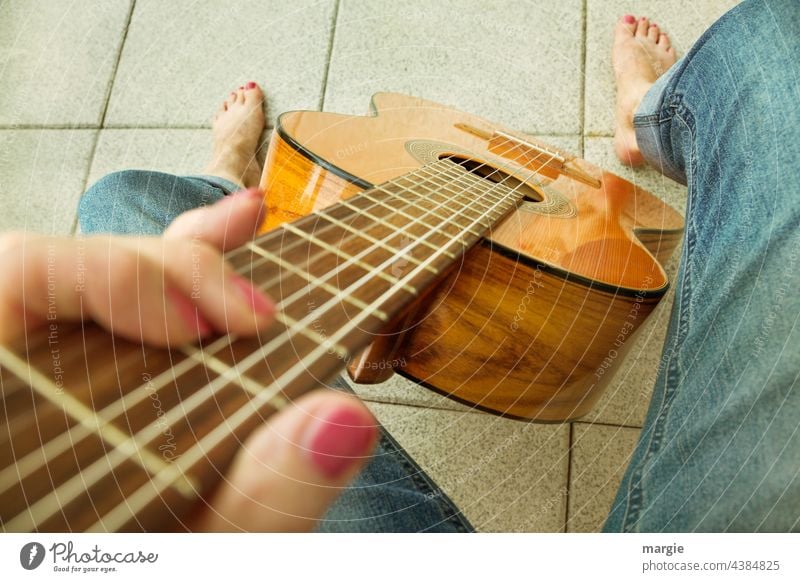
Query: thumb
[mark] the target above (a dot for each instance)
(295, 466)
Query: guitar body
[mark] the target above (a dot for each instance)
(534, 319)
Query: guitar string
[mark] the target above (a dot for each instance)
(143, 496)
(24, 466)
(110, 409)
(460, 213)
(452, 243)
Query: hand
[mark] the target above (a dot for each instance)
(291, 469)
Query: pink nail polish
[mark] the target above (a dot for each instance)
(251, 85)
(339, 440)
(629, 18)
(189, 313)
(257, 301)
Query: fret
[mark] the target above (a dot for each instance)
(404, 254)
(485, 190)
(494, 191)
(319, 283)
(291, 323)
(391, 226)
(425, 211)
(417, 220)
(88, 418)
(231, 374)
(53, 447)
(349, 259)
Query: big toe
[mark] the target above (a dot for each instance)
(253, 93)
(626, 26)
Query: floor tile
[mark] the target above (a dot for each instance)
(182, 57)
(42, 175)
(505, 475)
(176, 151)
(57, 60)
(517, 63)
(683, 20)
(600, 455)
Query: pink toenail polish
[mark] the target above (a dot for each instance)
(629, 19)
(251, 85)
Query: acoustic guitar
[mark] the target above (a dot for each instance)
(420, 240)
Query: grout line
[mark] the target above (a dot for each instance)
(73, 229)
(334, 21)
(608, 424)
(116, 65)
(569, 475)
(65, 126)
(582, 100)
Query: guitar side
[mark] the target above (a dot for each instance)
(536, 318)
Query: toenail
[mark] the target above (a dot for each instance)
(643, 18)
(629, 19)
(241, 88)
(251, 85)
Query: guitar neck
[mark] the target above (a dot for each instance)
(103, 434)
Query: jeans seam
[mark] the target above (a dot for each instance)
(681, 114)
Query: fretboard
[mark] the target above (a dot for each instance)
(102, 434)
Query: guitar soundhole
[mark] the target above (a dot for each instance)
(496, 175)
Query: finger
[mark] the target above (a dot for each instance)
(294, 467)
(201, 290)
(144, 289)
(225, 225)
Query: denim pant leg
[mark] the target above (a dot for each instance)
(141, 202)
(720, 448)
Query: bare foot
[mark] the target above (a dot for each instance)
(237, 127)
(641, 54)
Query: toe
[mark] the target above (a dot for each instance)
(240, 96)
(663, 41)
(253, 93)
(642, 26)
(653, 32)
(626, 25)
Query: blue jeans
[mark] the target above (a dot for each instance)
(720, 448)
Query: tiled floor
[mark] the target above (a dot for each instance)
(91, 87)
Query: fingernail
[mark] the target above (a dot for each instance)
(258, 302)
(189, 313)
(629, 18)
(251, 85)
(339, 440)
